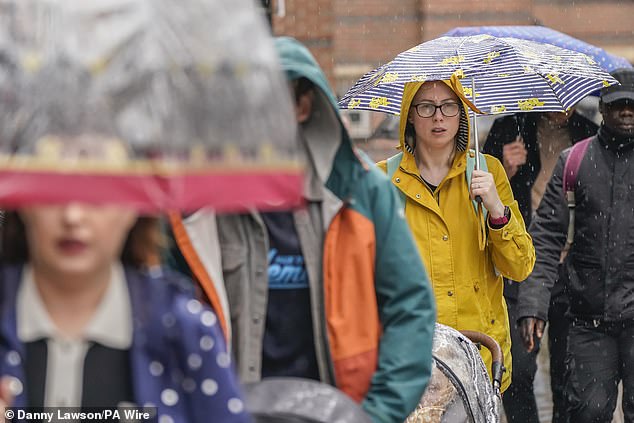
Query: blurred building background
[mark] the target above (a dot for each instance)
(351, 37)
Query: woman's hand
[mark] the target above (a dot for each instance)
(483, 185)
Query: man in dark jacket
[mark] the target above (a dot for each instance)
(599, 267)
(528, 145)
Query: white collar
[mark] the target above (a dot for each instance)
(111, 325)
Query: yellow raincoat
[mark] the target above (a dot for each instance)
(467, 281)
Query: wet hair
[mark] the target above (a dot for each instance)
(141, 248)
(410, 137)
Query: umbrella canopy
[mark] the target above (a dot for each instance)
(158, 104)
(508, 75)
(294, 400)
(543, 34)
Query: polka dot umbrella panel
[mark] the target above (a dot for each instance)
(499, 75)
(156, 104)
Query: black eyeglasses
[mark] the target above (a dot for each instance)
(427, 110)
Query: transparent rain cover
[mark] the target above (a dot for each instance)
(460, 389)
(159, 104)
(294, 400)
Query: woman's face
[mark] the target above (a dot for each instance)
(76, 239)
(438, 130)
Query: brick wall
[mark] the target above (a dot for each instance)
(439, 16)
(351, 37)
(312, 23)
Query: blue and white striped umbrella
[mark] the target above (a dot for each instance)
(509, 75)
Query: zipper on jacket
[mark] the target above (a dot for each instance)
(606, 254)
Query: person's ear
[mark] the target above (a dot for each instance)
(304, 106)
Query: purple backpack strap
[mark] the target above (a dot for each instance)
(571, 169)
(573, 161)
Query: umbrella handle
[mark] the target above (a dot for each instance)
(476, 142)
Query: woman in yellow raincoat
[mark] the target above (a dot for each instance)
(465, 256)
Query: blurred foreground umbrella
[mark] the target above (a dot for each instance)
(159, 104)
(543, 34)
(293, 400)
(509, 75)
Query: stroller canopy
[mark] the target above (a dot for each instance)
(460, 389)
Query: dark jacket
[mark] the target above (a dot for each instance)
(168, 329)
(504, 131)
(600, 265)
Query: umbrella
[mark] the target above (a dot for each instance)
(543, 34)
(158, 104)
(508, 75)
(294, 400)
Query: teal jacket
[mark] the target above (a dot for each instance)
(371, 301)
(402, 292)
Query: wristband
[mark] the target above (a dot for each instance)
(501, 221)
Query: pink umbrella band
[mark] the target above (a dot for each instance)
(221, 190)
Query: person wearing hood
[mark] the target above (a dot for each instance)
(334, 291)
(465, 256)
(599, 266)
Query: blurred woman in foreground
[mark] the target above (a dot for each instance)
(85, 324)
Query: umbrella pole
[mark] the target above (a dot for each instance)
(476, 142)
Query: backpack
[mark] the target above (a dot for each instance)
(394, 162)
(571, 169)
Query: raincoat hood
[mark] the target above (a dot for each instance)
(298, 62)
(323, 133)
(407, 142)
